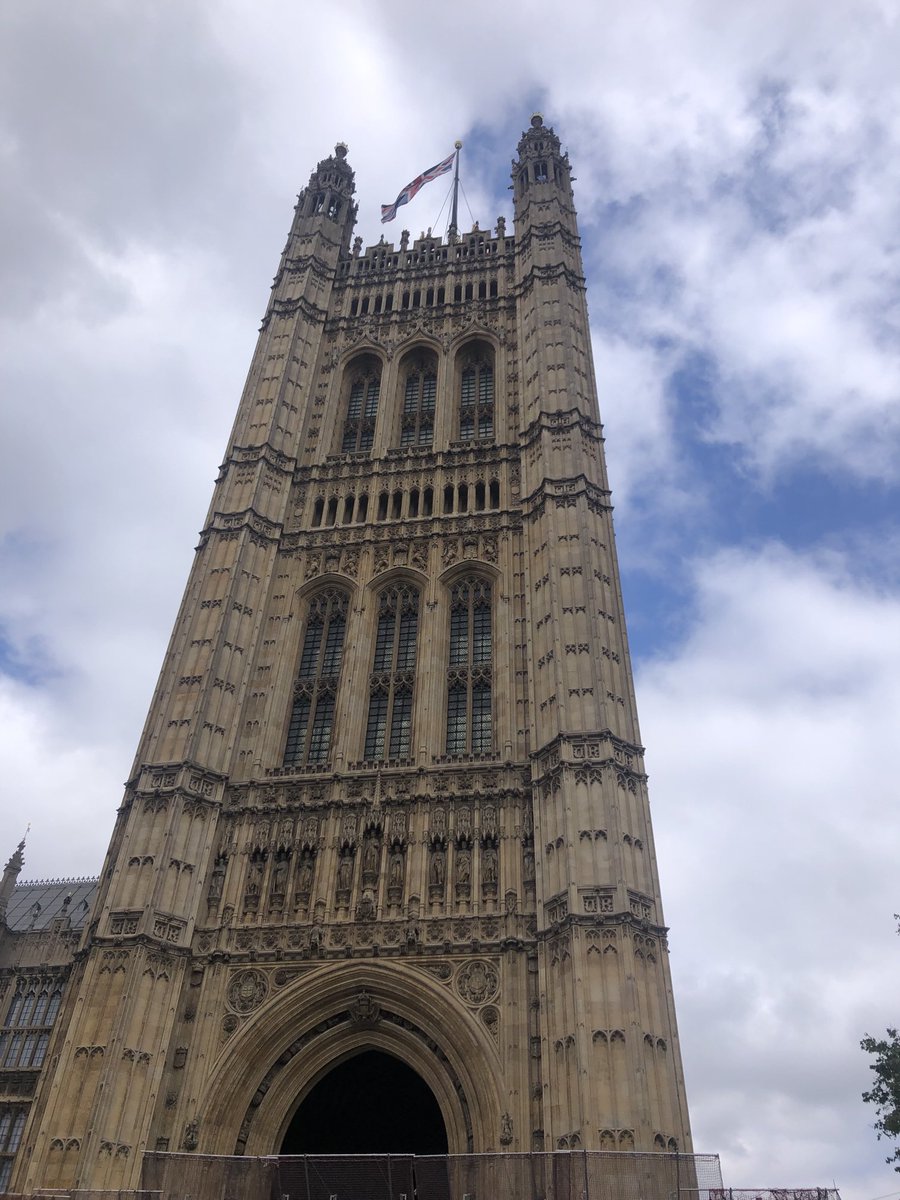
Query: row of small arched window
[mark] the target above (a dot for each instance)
(400, 504)
(474, 400)
(417, 297)
(392, 676)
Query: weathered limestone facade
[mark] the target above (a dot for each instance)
(390, 794)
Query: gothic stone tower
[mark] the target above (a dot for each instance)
(390, 795)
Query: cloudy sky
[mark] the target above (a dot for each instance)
(738, 175)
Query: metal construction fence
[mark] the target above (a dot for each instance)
(774, 1194)
(560, 1175)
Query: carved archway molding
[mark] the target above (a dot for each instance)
(326, 1016)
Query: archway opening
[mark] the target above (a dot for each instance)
(371, 1103)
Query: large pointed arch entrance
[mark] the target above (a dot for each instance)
(331, 1014)
(369, 1103)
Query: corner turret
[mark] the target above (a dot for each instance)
(541, 171)
(327, 200)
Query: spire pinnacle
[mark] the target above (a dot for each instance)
(17, 858)
(10, 875)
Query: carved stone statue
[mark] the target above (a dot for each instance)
(438, 871)
(528, 866)
(345, 873)
(279, 877)
(463, 866)
(216, 882)
(304, 878)
(189, 1141)
(490, 865)
(254, 880)
(395, 878)
(370, 861)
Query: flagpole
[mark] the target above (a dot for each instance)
(453, 231)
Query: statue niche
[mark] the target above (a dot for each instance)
(489, 869)
(344, 875)
(255, 872)
(463, 868)
(437, 871)
(303, 884)
(279, 883)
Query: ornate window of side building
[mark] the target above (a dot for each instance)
(364, 376)
(315, 688)
(469, 729)
(26, 1031)
(419, 375)
(389, 726)
(12, 1122)
(476, 393)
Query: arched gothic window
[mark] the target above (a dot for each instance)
(315, 688)
(476, 396)
(389, 727)
(470, 669)
(419, 392)
(362, 405)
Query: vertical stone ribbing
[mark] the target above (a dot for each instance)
(605, 986)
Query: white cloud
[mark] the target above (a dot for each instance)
(737, 180)
(772, 748)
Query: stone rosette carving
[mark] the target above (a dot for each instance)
(477, 982)
(247, 990)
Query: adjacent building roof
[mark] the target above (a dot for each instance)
(37, 905)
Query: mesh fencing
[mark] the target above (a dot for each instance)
(774, 1194)
(82, 1194)
(560, 1175)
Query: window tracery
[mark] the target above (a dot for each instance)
(419, 393)
(469, 676)
(362, 405)
(26, 1031)
(389, 725)
(476, 397)
(315, 688)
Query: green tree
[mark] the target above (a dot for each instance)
(885, 1092)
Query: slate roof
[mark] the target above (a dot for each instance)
(37, 905)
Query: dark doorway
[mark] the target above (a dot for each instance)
(370, 1104)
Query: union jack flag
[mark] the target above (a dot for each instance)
(389, 211)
